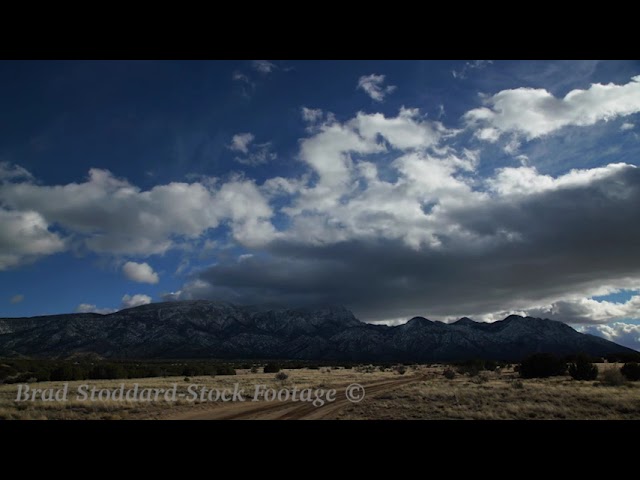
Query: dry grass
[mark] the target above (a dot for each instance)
(110, 410)
(502, 396)
(495, 396)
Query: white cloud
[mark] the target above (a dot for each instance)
(90, 308)
(140, 272)
(264, 66)
(172, 296)
(259, 154)
(627, 126)
(534, 113)
(526, 180)
(464, 71)
(17, 299)
(25, 236)
(240, 142)
(588, 310)
(109, 215)
(9, 171)
(254, 153)
(627, 334)
(373, 85)
(311, 115)
(130, 301)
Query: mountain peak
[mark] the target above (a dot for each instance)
(464, 321)
(420, 321)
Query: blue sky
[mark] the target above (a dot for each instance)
(396, 188)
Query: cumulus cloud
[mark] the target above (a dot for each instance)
(264, 66)
(24, 237)
(389, 216)
(90, 308)
(627, 126)
(130, 301)
(393, 223)
(589, 310)
(373, 85)
(16, 299)
(627, 334)
(110, 215)
(140, 272)
(534, 113)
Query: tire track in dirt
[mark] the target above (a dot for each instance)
(295, 410)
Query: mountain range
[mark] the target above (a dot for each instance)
(206, 329)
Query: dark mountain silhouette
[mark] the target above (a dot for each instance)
(199, 329)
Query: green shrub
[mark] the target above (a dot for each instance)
(271, 368)
(254, 369)
(583, 369)
(631, 371)
(225, 370)
(471, 367)
(542, 365)
(6, 371)
(449, 373)
(401, 369)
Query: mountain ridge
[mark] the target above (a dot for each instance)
(209, 329)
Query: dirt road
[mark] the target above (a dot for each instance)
(293, 410)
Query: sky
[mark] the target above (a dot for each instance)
(443, 189)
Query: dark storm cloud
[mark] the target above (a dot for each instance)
(531, 249)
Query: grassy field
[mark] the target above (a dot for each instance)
(501, 396)
(421, 393)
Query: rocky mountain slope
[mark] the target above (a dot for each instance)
(204, 329)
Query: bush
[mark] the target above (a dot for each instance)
(631, 371)
(517, 384)
(471, 367)
(254, 369)
(482, 377)
(612, 377)
(6, 371)
(187, 379)
(449, 373)
(491, 365)
(281, 376)
(225, 370)
(271, 368)
(401, 369)
(583, 369)
(542, 365)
